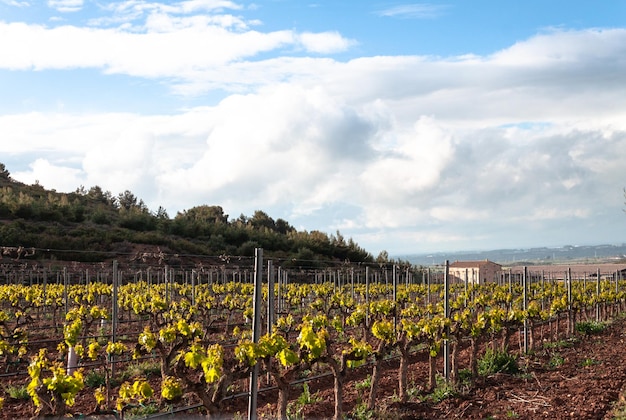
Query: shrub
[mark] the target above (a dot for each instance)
(95, 379)
(496, 361)
(17, 392)
(590, 327)
(443, 391)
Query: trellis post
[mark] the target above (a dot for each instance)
(256, 330)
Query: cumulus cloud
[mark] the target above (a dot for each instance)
(288, 150)
(43, 172)
(178, 41)
(453, 149)
(325, 42)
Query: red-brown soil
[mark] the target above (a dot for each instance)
(585, 383)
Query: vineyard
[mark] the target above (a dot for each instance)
(248, 339)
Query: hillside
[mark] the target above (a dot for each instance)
(95, 226)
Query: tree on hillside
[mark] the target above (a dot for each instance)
(128, 201)
(105, 197)
(161, 214)
(383, 257)
(260, 219)
(282, 226)
(204, 213)
(4, 173)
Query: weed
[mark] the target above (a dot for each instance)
(95, 379)
(443, 390)
(306, 397)
(395, 398)
(141, 411)
(465, 376)
(525, 375)
(590, 327)
(294, 408)
(619, 409)
(496, 361)
(142, 369)
(560, 344)
(362, 387)
(360, 412)
(589, 362)
(293, 413)
(413, 391)
(556, 360)
(17, 392)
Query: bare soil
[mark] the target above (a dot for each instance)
(581, 378)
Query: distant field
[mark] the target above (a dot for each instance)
(578, 269)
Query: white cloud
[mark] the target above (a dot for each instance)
(15, 3)
(172, 48)
(429, 182)
(51, 176)
(325, 42)
(65, 6)
(456, 149)
(414, 11)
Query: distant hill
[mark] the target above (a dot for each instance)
(530, 256)
(96, 226)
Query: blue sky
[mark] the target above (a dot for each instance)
(410, 127)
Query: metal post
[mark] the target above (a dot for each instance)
(446, 310)
(256, 330)
(598, 295)
(193, 287)
(466, 280)
(367, 296)
(271, 306)
(394, 276)
(570, 322)
(114, 314)
(270, 297)
(65, 291)
(428, 286)
(525, 297)
(352, 283)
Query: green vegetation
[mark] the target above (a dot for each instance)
(142, 369)
(92, 225)
(496, 361)
(95, 379)
(17, 392)
(556, 360)
(294, 409)
(590, 327)
(559, 344)
(443, 390)
(141, 411)
(589, 362)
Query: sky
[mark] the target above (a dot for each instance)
(408, 127)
